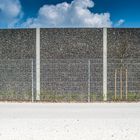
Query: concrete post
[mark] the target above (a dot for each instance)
(105, 64)
(32, 80)
(37, 64)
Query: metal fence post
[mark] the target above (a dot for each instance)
(105, 64)
(38, 64)
(32, 80)
(89, 80)
(115, 94)
(121, 84)
(126, 96)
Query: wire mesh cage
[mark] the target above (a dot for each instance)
(16, 80)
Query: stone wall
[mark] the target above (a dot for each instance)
(64, 63)
(71, 43)
(65, 54)
(17, 49)
(17, 43)
(124, 52)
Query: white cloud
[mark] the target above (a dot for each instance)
(75, 14)
(10, 12)
(120, 22)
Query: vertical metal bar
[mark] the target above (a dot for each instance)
(115, 84)
(121, 83)
(32, 80)
(89, 80)
(37, 64)
(105, 64)
(126, 90)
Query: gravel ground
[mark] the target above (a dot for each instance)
(46, 121)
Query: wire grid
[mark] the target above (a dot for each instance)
(131, 92)
(67, 80)
(16, 80)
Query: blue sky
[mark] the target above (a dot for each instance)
(69, 13)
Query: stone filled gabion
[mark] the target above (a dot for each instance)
(64, 62)
(124, 52)
(71, 43)
(124, 41)
(17, 43)
(17, 49)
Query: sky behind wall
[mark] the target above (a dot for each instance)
(69, 13)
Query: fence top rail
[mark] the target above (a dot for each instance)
(85, 60)
(98, 58)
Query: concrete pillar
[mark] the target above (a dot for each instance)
(32, 80)
(105, 64)
(38, 64)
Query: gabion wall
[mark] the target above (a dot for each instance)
(64, 64)
(124, 53)
(68, 80)
(65, 56)
(17, 50)
(17, 43)
(15, 79)
(71, 43)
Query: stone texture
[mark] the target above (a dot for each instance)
(17, 43)
(71, 43)
(124, 52)
(17, 49)
(64, 64)
(124, 43)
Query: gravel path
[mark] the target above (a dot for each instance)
(97, 121)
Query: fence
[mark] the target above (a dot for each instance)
(16, 80)
(124, 79)
(69, 80)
